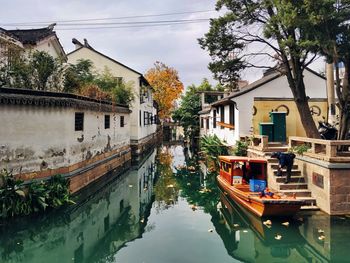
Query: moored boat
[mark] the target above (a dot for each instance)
(243, 180)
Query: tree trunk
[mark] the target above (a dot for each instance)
(344, 104)
(294, 74)
(306, 119)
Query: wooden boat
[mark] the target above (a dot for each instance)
(243, 180)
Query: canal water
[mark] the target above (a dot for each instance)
(156, 213)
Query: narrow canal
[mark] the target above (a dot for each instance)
(153, 214)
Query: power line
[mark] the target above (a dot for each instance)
(131, 26)
(138, 22)
(102, 19)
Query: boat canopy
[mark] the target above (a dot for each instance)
(233, 159)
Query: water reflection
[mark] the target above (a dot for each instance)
(165, 190)
(150, 207)
(90, 232)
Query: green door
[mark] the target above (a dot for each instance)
(279, 126)
(266, 128)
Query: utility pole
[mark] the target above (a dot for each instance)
(330, 93)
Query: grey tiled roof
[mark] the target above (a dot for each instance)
(31, 36)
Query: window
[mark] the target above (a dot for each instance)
(232, 115)
(121, 121)
(144, 118)
(202, 123)
(79, 121)
(140, 118)
(222, 115)
(107, 121)
(214, 119)
(207, 122)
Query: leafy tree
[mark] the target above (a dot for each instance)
(187, 113)
(167, 87)
(225, 65)
(124, 93)
(38, 71)
(44, 68)
(78, 75)
(282, 27)
(331, 31)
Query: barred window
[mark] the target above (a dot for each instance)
(107, 121)
(79, 121)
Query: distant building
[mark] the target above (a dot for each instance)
(143, 119)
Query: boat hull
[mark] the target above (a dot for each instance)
(260, 206)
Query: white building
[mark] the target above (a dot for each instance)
(144, 112)
(231, 117)
(39, 39)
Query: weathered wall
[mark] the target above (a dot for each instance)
(36, 138)
(329, 184)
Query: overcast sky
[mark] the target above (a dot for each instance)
(137, 47)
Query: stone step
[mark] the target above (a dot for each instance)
(275, 166)
(292, 186)
(309, 201)
(293, 179)
(276, 144)
(298, 192)
(269, 150)
(271, 160)
(309, 208)
(284, 173)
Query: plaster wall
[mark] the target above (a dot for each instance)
(47, 45)
(293, 122)
(38, 138)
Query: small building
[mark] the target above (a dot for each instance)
(48, 133)
(240, 113)
(39, 39)
(143, 118)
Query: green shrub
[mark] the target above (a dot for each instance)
(213, 147)
(241, 148)
(299, 149)
(18, 199)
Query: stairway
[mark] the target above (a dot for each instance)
(297, 185)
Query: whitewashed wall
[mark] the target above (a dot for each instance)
(34, 138)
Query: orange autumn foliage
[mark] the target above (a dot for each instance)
(94, 92)
(167, 87)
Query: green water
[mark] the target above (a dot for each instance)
(150, 215)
